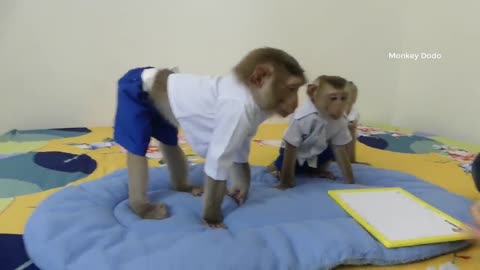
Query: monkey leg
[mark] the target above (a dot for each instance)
(212, 208)
(178, 168)
(137, 189)
(273, 169)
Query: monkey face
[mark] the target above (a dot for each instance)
(276, 93)
(329, 100)
(285, 95)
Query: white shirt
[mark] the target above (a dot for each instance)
(311, 131)
(218, 116)
(353, 115)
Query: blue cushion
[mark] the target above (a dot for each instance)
(90, 226)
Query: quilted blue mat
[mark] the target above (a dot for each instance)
(91, 227)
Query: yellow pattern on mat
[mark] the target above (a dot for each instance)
(432, 167)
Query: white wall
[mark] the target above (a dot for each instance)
(59, 60)
(441, 96)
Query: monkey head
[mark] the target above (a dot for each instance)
(273, 77)
(330, 96)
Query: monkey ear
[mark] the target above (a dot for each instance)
(311, 88)
(260, 74)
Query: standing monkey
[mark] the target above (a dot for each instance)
(315, 125)
(219, 116)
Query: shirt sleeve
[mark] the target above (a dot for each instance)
(228, 140)
(343, 136)
(293, 135)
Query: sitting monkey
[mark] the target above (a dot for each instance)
(219, 116)
(315, 125)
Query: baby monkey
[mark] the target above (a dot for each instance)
(219, 115)
(316, 125)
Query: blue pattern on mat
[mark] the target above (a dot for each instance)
(12, 254)
(16, 135)
(32, 172)
(90, 226)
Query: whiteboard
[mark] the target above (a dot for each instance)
(397, 218)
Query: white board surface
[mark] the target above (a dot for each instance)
(397, 216)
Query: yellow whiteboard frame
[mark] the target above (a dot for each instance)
(335, 194)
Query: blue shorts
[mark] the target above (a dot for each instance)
(136, 119)
(324, 157)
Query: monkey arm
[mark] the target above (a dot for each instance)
(231, 131)
(344, 163)
(351, 146)
(287, 174)
(240, 177)
(241, 172)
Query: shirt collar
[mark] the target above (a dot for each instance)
(306, 109)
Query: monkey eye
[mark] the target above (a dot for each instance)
(344, 98)
(333, 98)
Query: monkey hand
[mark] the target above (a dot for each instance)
(471, 231)
(213, 219)
(239, 191)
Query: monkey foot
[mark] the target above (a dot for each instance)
(272, 168)
(213, 218)
(215, 224)
(195, 190)
(150, 210)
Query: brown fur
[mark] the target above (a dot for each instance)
(159, 95)
(280, 60)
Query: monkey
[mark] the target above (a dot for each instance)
(219, 115)
(317, 134)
